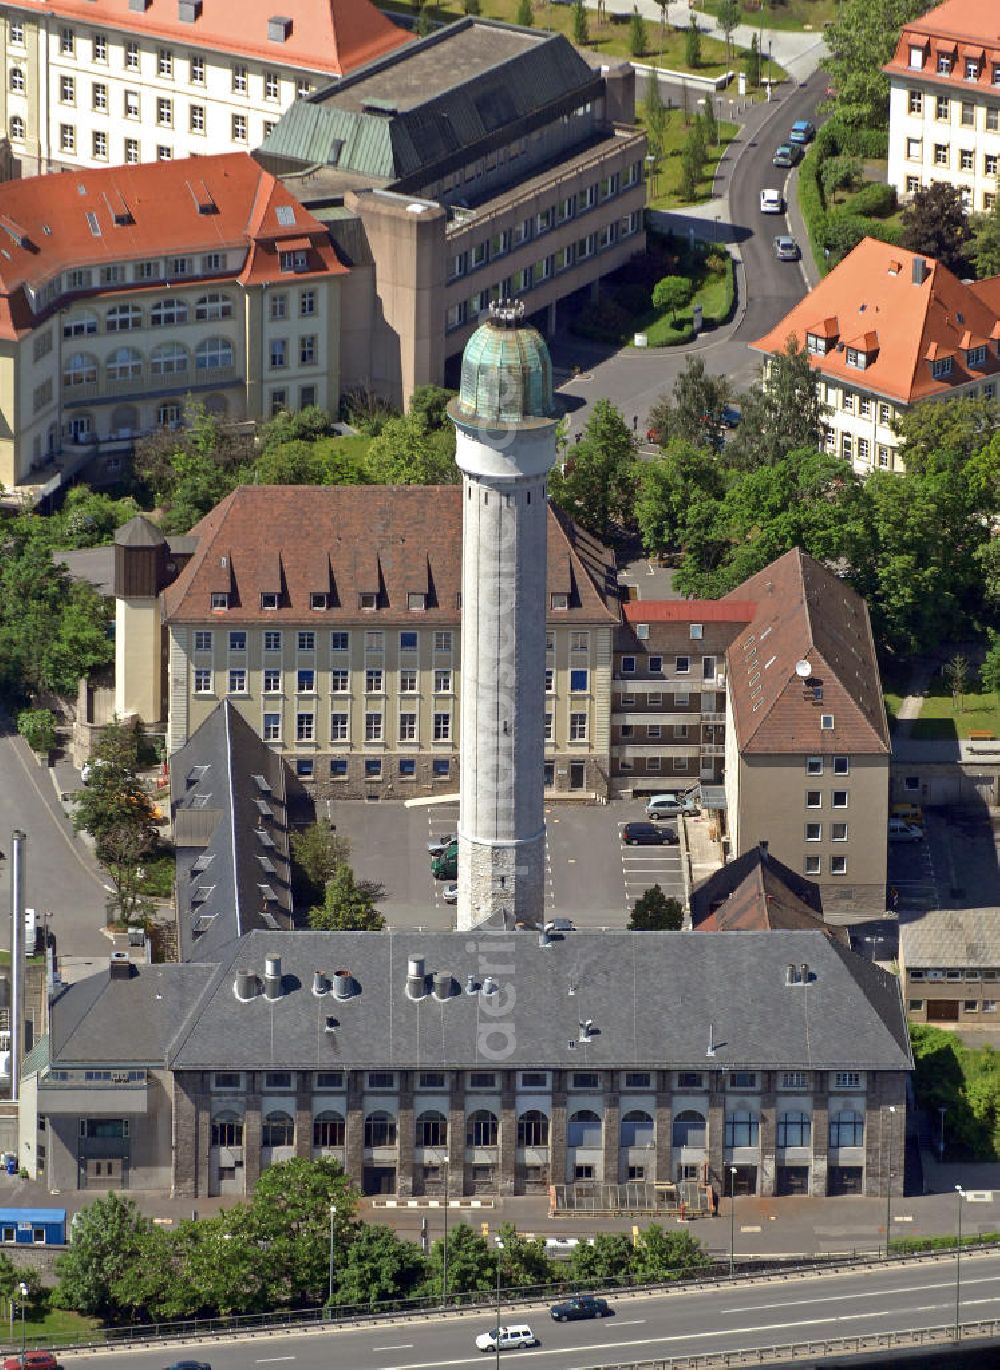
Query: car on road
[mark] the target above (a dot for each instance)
(670, 805)
(445, 864)
(509, 1338)
(771, 202)
(579, 1307)
(802, 132)
(438, 844)
(190, 1365)
(786, 249)
(787, 155)
(450, 894)
(648, 835)
(31, 1360)
(901, 831)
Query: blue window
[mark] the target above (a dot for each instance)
(304, 766)
(338, 765)
(307, 682)
(408, 766)
(441, 765)
(578, 682)
(373, 767)
(338, 642)
(407, 642)
(237, 642)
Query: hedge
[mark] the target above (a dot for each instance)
(875, 200)
(862, 218)
(904, 1246)
(811, 202)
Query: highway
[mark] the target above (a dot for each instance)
(812, 1307)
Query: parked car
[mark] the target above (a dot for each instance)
(33, 1360)
(509, 1338)
(786, 249)
(802, 131)
(670, 805)
(445, 865)
(438, 844)
(771, 202)
(190, 1365)
(901, 831)
(648, 835)
(580, 1306)
(731, 416)
(787, 155)
(450, 894)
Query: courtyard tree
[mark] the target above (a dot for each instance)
(317, 851)
(989, 671)
(670, 489)
(984, 248)
(637, 40)
(604, 1261)
(692, 44)
(782, 411)
(525, 15)
(956, 673)
(581, 33)
(38, 728)
(728, 17)
(408, 451)
(348, 905)
(526, 1263)
(935, 224)
(653, 911)
(672, 293)
(751, 62)
(597, 484)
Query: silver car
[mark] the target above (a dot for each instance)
(786, 249)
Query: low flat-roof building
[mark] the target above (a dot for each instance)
(949, 962)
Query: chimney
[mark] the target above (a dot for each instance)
(470, 984)
(791, 974)
(919, 271)
(544, 940)
(321, 984)
(344, 985)
(119, 967)
(272, 977)
(17, 931)
(442, 985)
(490, 986)
(245, 987)
(804, 973)
(763, 848)
(416, 980)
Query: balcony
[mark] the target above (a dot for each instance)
(77, 1095)
(712, 716)
(657, 717)
(632, 751)
(141, 387)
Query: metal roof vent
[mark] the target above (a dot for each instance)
(279, 29)
(471, 984)
(120, 967)
(490, 985)
(544, 940)
(245, 986)
(272, 977)
(444, 985)
(321, 984)
(804, 973)
(416, 979)
(586, 1030)
(791, 974)
(344, 985)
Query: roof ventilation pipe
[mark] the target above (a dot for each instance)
(443, 985)
(272, 977)
(490, 986)
(791, 974)
(471, 985)
(804, 973)
(544, 940)
(416, 980)
(321, 984)
(245, 987)
(344, 984)
(918, 271)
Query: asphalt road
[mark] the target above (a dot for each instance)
(682, 1323)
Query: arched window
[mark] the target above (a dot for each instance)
(124, 364)
(80, 325)
(124, 421)
(847, 1128)
(122, 318)
(328, 1129)
(432, 1129)
(794, 1129)
(637, 1128)
(689, 1128)
(742, 1128)
(481, 1128)
(214, 305)
(16, 127)
(168, 359)
(80, 369)
(227, 1130)
(278, 1129)
(213, 353)
(380, 1129)
(584, 1129)
(533, 1128)
(167, 312)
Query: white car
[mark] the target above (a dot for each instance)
(771, 202)
(510, 1338)
(901, 831)
(450, 894)
(439, 844)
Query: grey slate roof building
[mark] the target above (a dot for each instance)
(949, 962)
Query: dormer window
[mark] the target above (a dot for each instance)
(817, 345)
(318, 599)
(368, 600)
(268, 599)
(220, 599)
(916, 58)
(971, 69)
(941, 368)
(857, 358)
(976, 356)
(559, 601)
(945, 62)
(296, 260)
(416, 601)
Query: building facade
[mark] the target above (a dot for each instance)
(96, 84)
(944, 104)
(125, 291)
(949, 964)
(885, 330)
(193, 1079)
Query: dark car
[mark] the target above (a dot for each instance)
(580, 1306)
(445, 864)
(32, 1360)
(731, 416)
(787, 155)
(648, 835)
(190, 1365)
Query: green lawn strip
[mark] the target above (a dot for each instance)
(667, 180)
(58, 1325)
(941, 717)
(714, 294)
(790, 16)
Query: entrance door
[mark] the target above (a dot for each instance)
(577, 775)
(942, 1010)
(793, 1179)
(745, 1181)
(380, 1179)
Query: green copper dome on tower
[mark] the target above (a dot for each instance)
(506, 371)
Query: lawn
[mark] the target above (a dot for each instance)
(665, 182)
(941, 718)
(609, 37)
(56, 1325)
(788, 15)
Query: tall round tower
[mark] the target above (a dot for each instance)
(505, 448)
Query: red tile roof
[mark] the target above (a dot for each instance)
(805, 614)
(330, 36)
(95, 217)
(873, 298)
(347, 540)
(960, 28)
(687, 611)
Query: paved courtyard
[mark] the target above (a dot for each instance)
(590, 877)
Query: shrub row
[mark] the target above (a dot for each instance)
(833, 233)
(905, 1246)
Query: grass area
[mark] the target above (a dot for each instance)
(942, 718)
(610, 37)
(158, 880)
(665, 183)
(789, 16)
(44, 1323)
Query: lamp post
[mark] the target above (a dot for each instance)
(499, 1265)
(23, 1290)
(958, 1266)
(732, 1222)
(333, 1215)
(444, 1256)
(888, 1180)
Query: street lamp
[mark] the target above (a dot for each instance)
(333, 1214)
(888, 1181)
(22, 1289)
(444, 1257)
(958, 1266)
(499, 1265)
(732, 1222)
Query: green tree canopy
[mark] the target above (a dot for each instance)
(984, 249)
(692, 44)
(317, 851)
(524, 1262)
(861, 38)
(935, 224)
(653, 911)
(597, 484)
(38, 728)
(581, 29)
(781, 412)
(602, 1261)
(377, 1268)
(407, 452)
(637, 38)
(672, 293)
(471, 1267)
(668, 490)
(348, 905)
(108, 1240)
(661, 1255)
(290, 1213)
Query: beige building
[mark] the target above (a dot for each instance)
(342, 648)
(125, 291)
(944, 103)
(93, 82)
(949, 961)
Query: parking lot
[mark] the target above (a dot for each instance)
(590, 876)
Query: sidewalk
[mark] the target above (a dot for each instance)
(913, 701)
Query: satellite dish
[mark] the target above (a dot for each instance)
(803, 669)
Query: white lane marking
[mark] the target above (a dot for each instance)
(861, 1294)
(403, 1346)
(272, 1360)
(629, 1322)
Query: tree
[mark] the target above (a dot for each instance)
(581, 33)
(661, 1256)
(89, 518)
(348, 905)
(989, 671)
(38, 728)
(305, 425)
(525, 14)
(317, 851)
(424, 21)
(526, 1263)
(728, 17)
(471, 1264)
(839, 173)
(751, 62)
(956, 673)
(606, 1259)
(670, 491)
(407, 452)
(12, 1277)
(934, 223)
(860, 40)
(692, 45)
(672, 293)
(948, 435)
(841, 234)
(114, 808)
(108, 1240)
(984, 248)
(429, 403)
(691, 169)
(700, 401)
(782, 411)
(654, 912)
(470, 7)
(664, 6)
(378, 1268)
(637, 41)
(290, 1216)
(598, 481)
(709, 122)
(224, 1266)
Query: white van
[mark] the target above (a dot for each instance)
(670, 805)
(511, 1338)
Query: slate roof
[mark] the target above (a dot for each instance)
(227, 845)
(805, 613)
(361, 538)
(952, 937)
(757, 892)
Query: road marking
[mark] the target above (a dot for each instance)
(403, 1346)
(273, 1360)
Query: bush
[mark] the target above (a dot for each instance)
(38, 728)
(811, 201)
(875, 200)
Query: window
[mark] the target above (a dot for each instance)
(431, 1079)
(968, 114)
(637, 1129)
(993, 115)
(534, 1079)
(277, 1129)
(847, 1079)
(940, 154)
(213, 354)
(203, 641)
(655, 664)
(682, 665)
(122, 318)
(239, 79)
(584, 1129)
(278, 305)
(339, 682)
(270, 85)
(67, 42)
(329, 1129)
(794, 1129)
(689, 1079)
(305, 727)
(915, 102)
(742, 1129)
(838, 865)
(841, 765)
(794, 1079)
(219, 599)
(532, 1128)
(167, 312)
(689, 1129)
(339, 642)
(442, 641)
(213, 306)
(838, 832)
(814, 865)
(814, 799)
(164, 62)
(578, 727)
(227, 1130)
(272, 727)
(966, 159)
(814, 832)
(373, 680)
(839, 799)
(16, 79)
(279, 353)
(339, 727)
(16, 127)
(67, 138)
(373, 727)
(407, 727)
(305, 767)
(338, 767)
(308, 350)
(847, 1128)
(239, 130)
(202, 682)
(442, 727)
(481, 1128)
(578, 682)
(238, 682)
(124, 364)
(380, 1128)
(826, 723)
(628, 665)
(306, 682)
(743, 1079)
(15, 32)
(307, 303)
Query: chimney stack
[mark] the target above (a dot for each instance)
(245, 987)
(442, 985)
(804, 973)
(272, 977)
(321, 984)
(919, 271)
(416, 981)
(343, 984)
(791, 974)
